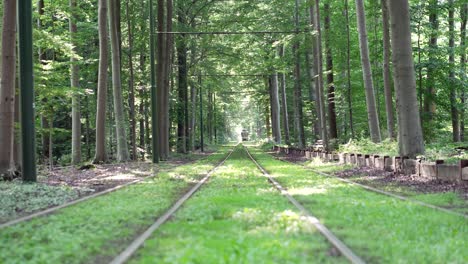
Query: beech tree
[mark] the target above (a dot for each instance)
(284, 103)
(7, 88)
(315, 21)
(430, 93)
(410, 138)
(373, 118)
(463, 77)
(386, 70)
(330, 75)
(275, 107)
(122, 147)
(75, 83)
(100, 154)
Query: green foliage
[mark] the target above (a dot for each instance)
(366, 146)
(242, 101)
(22, 198)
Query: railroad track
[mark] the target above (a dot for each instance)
(372, 189)
(335, 241)
(58, 207)
(127, 253)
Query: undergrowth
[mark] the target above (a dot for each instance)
(18, 198)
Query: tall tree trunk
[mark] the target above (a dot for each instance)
(420, 68)
(348, 70)
(101, 155)
(267, 121)
(7, 89)
(275, 108)
(142, 121)
(463, 14)
(167, 74)
(330, 80)
(315, 80)
(88, 129)
(410, 138)
(17, 136)
(160, 76)
(148, 148)
(182, 90)
(430, 94)
(215, 120)
(164, 63)
(312, 92)
(193, 100)
(75, 83)
(297, 99)
(386, 71)
(453, 90)
(284, 103)
(42, 60)
(367, 73)
(142, 89)
(122, 148)
(209, 124)
(51, 142)
(131, 83)
(315, 21)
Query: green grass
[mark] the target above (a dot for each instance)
(449, 199)
(237, 217)
(379, 228)
(98, 229)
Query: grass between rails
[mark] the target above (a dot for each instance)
(379, 228)
(238, 217)
(98, 229)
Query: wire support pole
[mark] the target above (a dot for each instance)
(154, 112)
(26, 83)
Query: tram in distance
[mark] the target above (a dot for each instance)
(245, 135)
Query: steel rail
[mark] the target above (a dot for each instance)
(372, 189)
(335, 241)
(127, 253)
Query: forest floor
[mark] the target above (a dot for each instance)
(101, 177)
(449, 195)
(65, 184)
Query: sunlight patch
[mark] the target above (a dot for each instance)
(307, 191)
(249, 215)
(124, 176)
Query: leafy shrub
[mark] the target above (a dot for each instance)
(19, 198)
